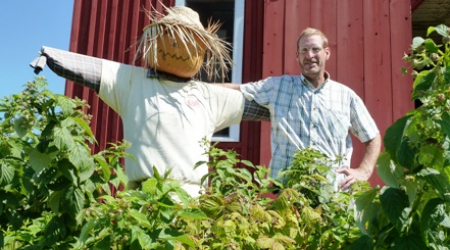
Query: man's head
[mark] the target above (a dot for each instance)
(312, 52)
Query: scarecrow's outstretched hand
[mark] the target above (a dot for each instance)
(81, 69)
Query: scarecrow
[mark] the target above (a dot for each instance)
(165, 112)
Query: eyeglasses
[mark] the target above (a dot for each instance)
(314, 50)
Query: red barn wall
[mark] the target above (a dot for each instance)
(367, 40)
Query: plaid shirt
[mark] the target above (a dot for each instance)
(302, 117)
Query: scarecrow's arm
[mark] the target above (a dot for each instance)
(87, 71)
(82, 69)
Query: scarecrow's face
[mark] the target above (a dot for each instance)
(311, 55)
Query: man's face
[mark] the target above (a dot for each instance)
(312, 56)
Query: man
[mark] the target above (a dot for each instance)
(165, 112)
(311, 110)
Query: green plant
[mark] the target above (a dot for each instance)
(47, 172)
(412, 210)
(326, 216)
(57, 195)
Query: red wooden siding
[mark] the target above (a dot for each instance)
(249, 145)
(367, 41)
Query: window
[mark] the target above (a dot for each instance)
(231, 14)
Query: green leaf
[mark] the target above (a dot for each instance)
(441, 29)
(54, 231)
(86, 230)
(145, 241)
(265, 243)
(395, 204)
(63, 138)
(67, 105)
(278, 246)
(106, 188)
(48, 130)
(149, 186)
(22, 126)
(366, 209)
(108, 198)
(247, 163)
(86, 170)
(310, 216)
(423, 81)
(244, 174)
(446, 72)
(106, 171)
(406, 154)
(14, 148)
(436, 179)
(212, 206)
(431, 155)
(417, 41)
(285, 240)
(172, 234)
(364, 242)
(431, 46)
(430, 212)
(411, 189)
(73, 200)
(78, 154)
(68, 170)
(391, 175)
(411, 241)
(140, 218)
(7, 172)
(182, 195)
(394, 136)
(192, 214)
(38, 160)
(445, 123)
(84, 125)
(54, 201)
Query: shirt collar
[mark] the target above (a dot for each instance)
(308, 83)
(153, 73)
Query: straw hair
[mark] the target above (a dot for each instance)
(177, 43)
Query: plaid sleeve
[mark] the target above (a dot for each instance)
(255, 112)
(82, 69)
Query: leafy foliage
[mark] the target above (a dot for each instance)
(47, 173)
(412, 210)
(57, 195)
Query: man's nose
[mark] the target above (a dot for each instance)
(310, 54)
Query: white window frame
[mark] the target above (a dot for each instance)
(238, 48)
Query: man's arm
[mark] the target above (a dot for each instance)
(365, 169)
(81, 69)
(252, 110)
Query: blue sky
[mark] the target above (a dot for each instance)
(25, 26)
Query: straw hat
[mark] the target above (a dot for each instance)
(177, 44)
